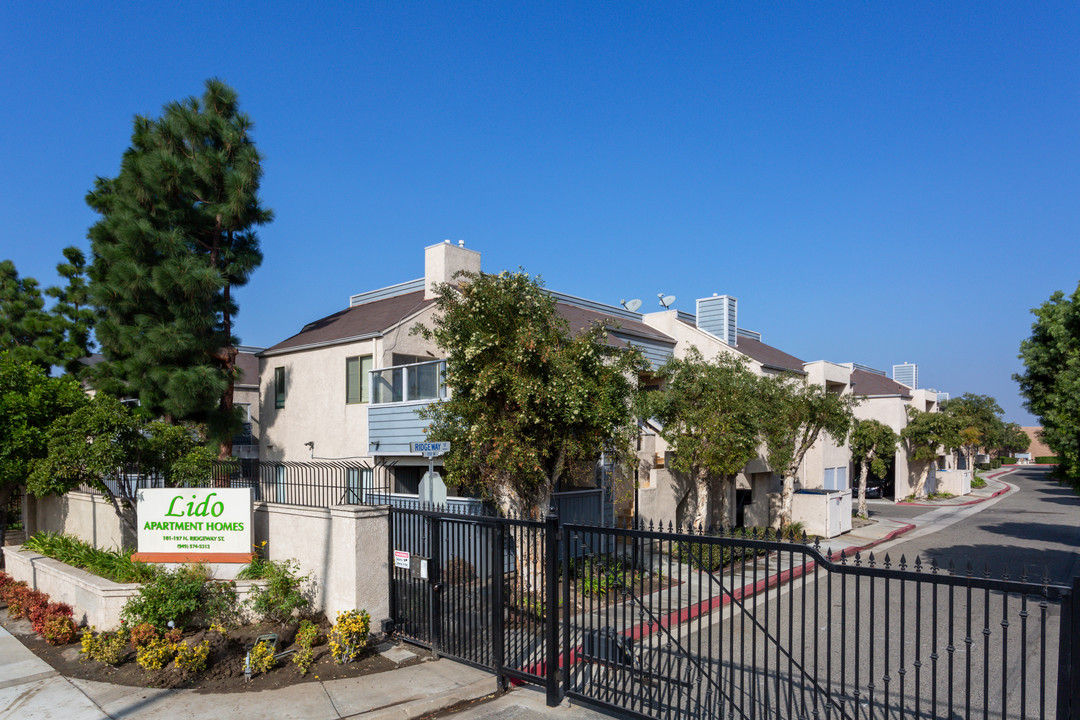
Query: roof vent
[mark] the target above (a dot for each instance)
(719, 316)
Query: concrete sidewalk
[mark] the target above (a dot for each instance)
(31, 690)
(993, 489)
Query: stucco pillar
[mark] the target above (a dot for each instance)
(357, 576)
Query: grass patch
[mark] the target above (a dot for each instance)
(115, 565)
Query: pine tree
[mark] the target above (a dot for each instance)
(177, 234)
(72, 316)
(24, 325)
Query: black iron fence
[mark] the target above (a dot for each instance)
(664, 624)
(311, 484)
(13, 518)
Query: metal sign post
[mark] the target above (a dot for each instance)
(431, 450)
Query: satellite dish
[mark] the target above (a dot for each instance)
(666, 300)
(631, 305)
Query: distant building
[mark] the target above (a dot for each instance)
(906, 374)
(1037, 448)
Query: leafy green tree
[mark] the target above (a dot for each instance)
(29, 403)
(796, 415)
(711, 415)
(979, 419)
(176, 236)
(927, 433)
(873, 447)
(1013, 440)
(1050, 382)
(107, 445)
(529, 400)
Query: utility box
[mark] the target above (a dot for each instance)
(823, 512)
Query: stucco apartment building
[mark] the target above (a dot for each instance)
(347, 387)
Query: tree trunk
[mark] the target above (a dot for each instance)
(787, 492)
(700, 517)
(920, 484)
(863, 466)
(725, 511)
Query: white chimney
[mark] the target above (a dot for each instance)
(443, 261)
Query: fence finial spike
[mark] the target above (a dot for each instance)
(870, 561)
(918, 564)
(888, 562)
(970, 568)
(986, 570)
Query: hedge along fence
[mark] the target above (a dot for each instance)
(1046, 460)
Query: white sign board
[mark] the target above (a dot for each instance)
(401, 559)
(193, 521)
(430, 449)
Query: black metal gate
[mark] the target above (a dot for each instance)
(472, 587)
(695, 626)
(667, 625)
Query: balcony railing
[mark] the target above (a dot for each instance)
(408, 383)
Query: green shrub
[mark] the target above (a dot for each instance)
(172, 595)
(1007, 460)
(977, 482)
(219, 604)
(282, 596)
(1046, 460)
(712, 557)
(115, 565)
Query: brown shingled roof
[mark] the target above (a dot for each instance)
(580, 319)
(366, 319)
(867, 383)
(768, 355)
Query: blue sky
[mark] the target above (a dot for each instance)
(878, 183)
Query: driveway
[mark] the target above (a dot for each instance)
(1037, 528)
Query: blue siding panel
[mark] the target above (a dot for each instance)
(395, 426)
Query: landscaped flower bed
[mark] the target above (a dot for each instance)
(180, 628)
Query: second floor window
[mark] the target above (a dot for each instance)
(279, 387)
(356, 376)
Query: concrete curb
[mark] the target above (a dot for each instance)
(976, 501)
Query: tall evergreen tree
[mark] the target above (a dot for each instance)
(72, 315)
(24, 324)
(59, 336)
(176, 235)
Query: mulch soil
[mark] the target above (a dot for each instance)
(225, 667)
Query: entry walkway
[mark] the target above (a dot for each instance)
(31, 690)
